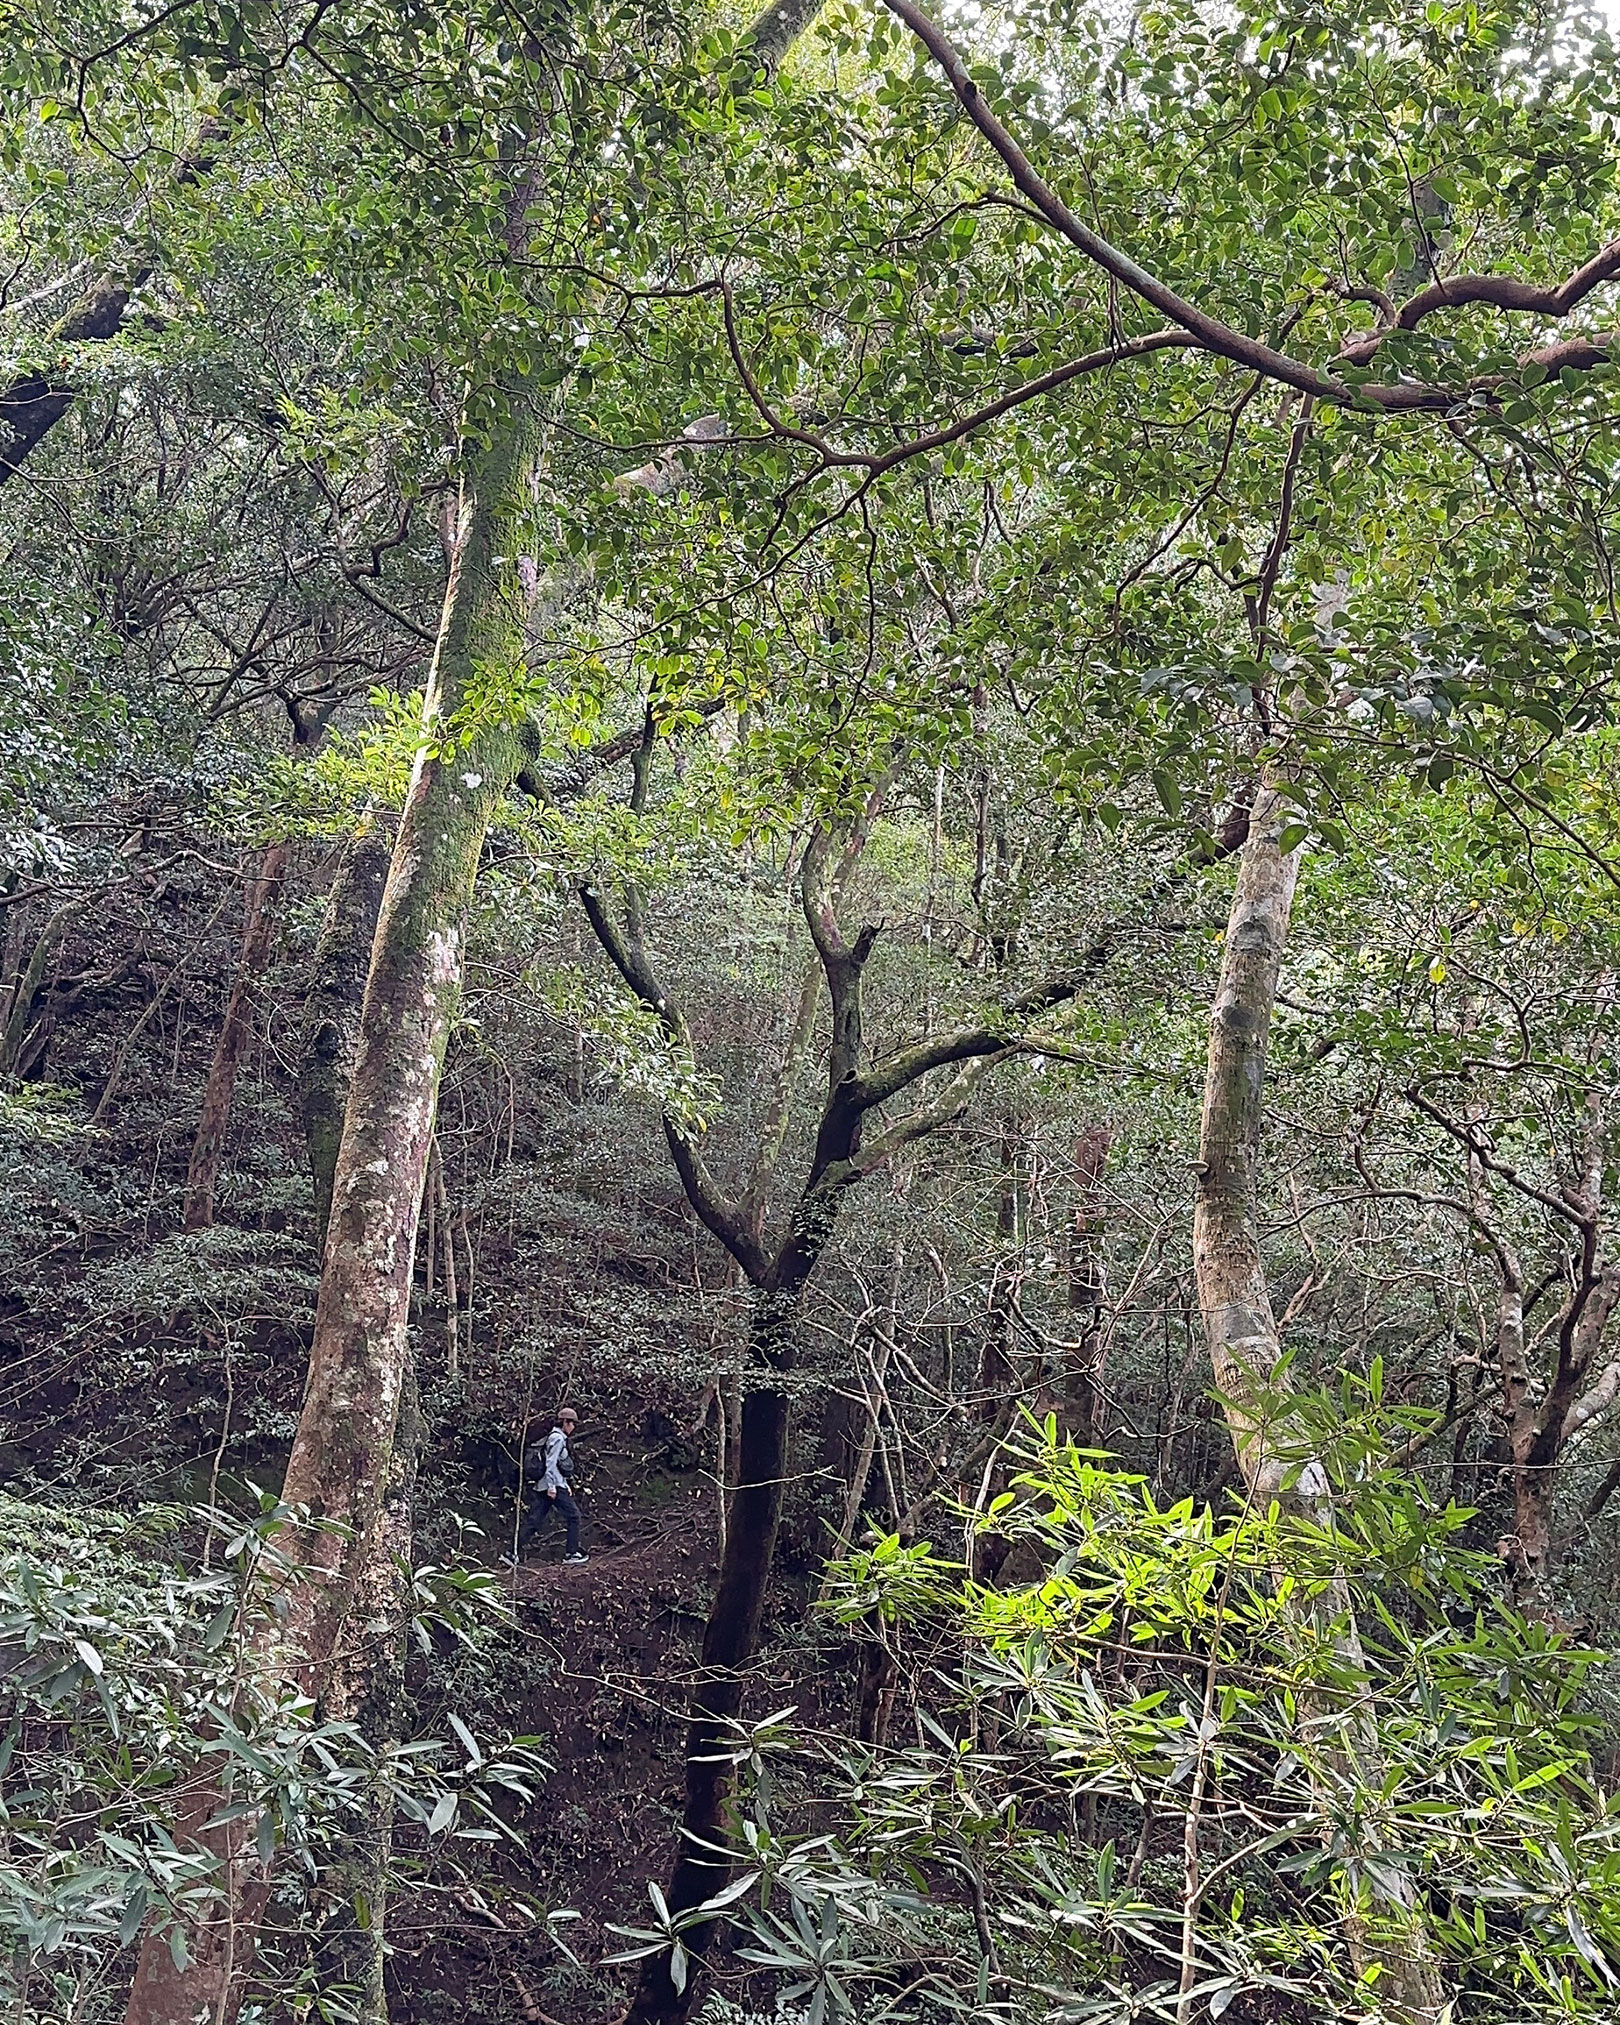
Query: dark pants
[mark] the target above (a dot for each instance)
(538, 1516)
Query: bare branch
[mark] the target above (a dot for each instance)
(1507, 1260)
(1470, 1137)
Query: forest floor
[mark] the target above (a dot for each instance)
(602, 1661)
(606, 1651)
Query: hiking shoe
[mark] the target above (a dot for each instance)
(575, 1560)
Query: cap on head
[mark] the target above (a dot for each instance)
(567, 1413)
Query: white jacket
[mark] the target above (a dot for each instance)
(557, 1457)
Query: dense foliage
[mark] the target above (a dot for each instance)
(886, 745)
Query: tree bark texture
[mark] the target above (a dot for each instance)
(262, 896)
(704, 1856)
(342, 1450)
(1539, 1425)
(219, 1951)
(331, 1035)
(1239, 1325)
(368, 1689)
(342, 1464)
(1241, 1330)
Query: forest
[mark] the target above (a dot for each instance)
(846, 775)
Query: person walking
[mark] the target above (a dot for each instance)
(553, 1467)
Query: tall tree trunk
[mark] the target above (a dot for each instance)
(1088, 1285)
(365, 1687)
(1240, 1326)
(342, 1461)
(332, 1010)
(369, 1691)
(1527, 1553)
(342, 1450)
(730, 1639)
(263, 894)
(20, 1011)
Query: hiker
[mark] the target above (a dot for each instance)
(553, 1467)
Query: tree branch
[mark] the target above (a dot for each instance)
(566, 780)
(941, 1051)
(875, 463)
(1506, 1260)
(1220, 338)
(949, 1104)
(1499, 291)
(1469, 1137)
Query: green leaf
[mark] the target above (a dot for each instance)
(134, 1916)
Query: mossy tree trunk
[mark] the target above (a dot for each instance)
(1241, 1330)
(343, 1466)
(368, 1689)
(343, 1458)
(1239, 1325)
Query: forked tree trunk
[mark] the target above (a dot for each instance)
(1540, 1429)
(778, 1273)
(332, 1010)
(1240, 1325)
(260, 900)
(342, 1464)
